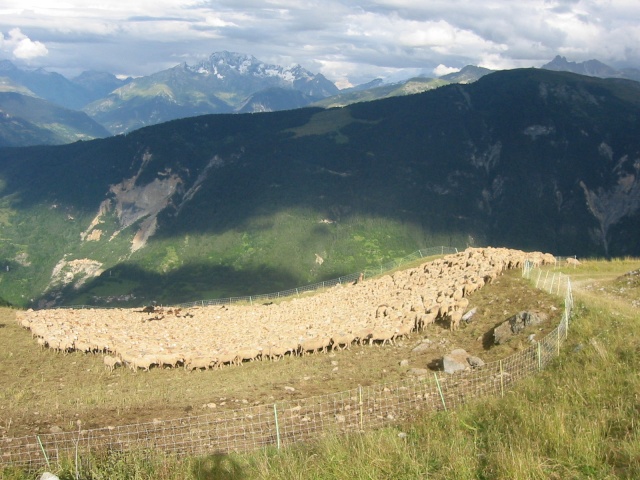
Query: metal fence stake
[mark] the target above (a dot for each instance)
(440, 391)
(275, 414)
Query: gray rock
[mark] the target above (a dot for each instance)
(404, 363)
(422, 346)
(515, 325)
(48, 476)
(419, 371)
(475, 361)
(467, 316)
(455, 361)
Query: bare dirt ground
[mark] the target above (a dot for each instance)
(45, 391)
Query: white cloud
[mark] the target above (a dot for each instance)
(346, 40)
(444, 70)
(21, 46)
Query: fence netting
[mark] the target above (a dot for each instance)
(286, 423)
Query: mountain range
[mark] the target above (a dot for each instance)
(231, 204)
(226, 82)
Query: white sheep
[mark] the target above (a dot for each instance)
(111, 362)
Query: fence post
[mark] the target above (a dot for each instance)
(539, 357)
(275, 414)
(43, 452)
(361, 409)
(501, 380)
(538, 280)
(440, 391)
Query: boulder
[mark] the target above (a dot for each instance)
(455, 361)
(459, 360)
(515, 325)
(475, 361)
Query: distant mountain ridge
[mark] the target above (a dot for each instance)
(28, 120)
(592, 68)
(225, 82)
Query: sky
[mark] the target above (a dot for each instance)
(349, 41)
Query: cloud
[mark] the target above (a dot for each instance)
(351, 41)
(441, 70)
(21, 46)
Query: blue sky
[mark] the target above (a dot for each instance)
(350, 42)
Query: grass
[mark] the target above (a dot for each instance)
(577, 419)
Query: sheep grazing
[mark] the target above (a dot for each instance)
(406, 328)
(454, 319)
(342, 341)
(111, 362)
(225, 358)
(314, 345)
(382, 335)
(247, 355)
(428, 318)
(199, 363)
(168, 359)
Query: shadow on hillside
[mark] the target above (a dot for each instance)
(130, 286)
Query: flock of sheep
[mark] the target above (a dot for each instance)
(372, 311)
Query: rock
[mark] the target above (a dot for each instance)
(455, 361)
(419, 371)
(422, 346)
(475, 361)
(467, 316)
(515, 325)
(55, 429)
(48, 476)
(289, 389)
(404, 363)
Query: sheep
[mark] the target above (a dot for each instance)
(249, 354)
(454, 319)
(198, 363)
(224, 358)
(406, 328)
(426, 319)
(134, 362)
(342, 341)
(169, 359)
(385, 336)
(313, 345)
(363, 335)
(111, 362)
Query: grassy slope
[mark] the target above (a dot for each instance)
(577, 419)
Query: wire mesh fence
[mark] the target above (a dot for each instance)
(286, 423)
